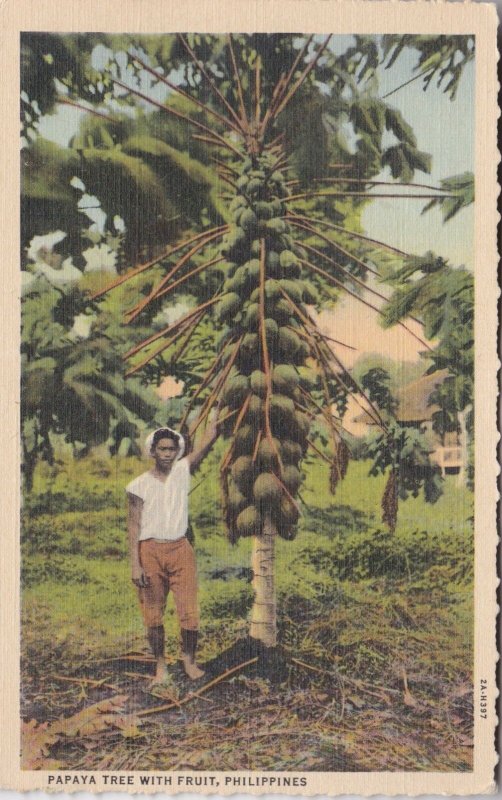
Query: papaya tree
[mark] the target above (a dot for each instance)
(280, 249)
(443, 297)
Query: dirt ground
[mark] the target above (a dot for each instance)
(252, 710)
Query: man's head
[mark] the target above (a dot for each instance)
(164, 449)
(164, 433)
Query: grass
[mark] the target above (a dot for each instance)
(372, 608)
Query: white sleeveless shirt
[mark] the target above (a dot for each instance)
(165, 504)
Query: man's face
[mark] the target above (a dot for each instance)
(165, 453)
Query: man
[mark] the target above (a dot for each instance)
(162, 559)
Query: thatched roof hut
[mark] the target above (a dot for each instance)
(414, 400)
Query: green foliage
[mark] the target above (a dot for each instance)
(404, 451)
(155, 187)
(403, 160)
(400, 451)
(443, 298)
(36, 571)
(441, 57)
(460, 189)
(377, 383)
(73, 384)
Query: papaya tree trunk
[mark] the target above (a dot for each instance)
(264, 612)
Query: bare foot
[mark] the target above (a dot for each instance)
(161, 673)
(192, 670)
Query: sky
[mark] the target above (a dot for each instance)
(445, 129)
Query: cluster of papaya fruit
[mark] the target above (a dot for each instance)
(264, 301)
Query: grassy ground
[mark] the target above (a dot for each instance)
(381, 625)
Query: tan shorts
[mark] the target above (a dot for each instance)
(169, 566)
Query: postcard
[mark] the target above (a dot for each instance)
(249, 397)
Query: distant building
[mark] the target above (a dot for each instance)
(415, 410)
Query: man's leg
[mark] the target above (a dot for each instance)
(183, 582)
(153, 604)
(188, 649)
(156, 640)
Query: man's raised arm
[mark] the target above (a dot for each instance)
(210, 434)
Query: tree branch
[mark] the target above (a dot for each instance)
(177, 89)
(213, 86)
(142, 267)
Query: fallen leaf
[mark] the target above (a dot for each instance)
(36, 743)
(91, 719)
(128, 725)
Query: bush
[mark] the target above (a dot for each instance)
(36, 570)
(95, 534)
(227, 599)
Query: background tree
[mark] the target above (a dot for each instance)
(399, 451)
(443, 298)
(72, 370)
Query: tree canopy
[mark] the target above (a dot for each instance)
(240, 166)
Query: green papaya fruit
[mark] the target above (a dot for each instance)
(258, 383)
(278, 208)
(294, 289)
(285, 378)
(303, 352)
(286, 241)
(237, 501)
(237, 202)
(253, 271)
(282, 311)
(302, 425)
(276, 225)
(272, 289)
(248, 221)
(264, 210)
(255, 409)
(289, 343)
(281, 407)
(228, 306)
(251, 315)
(267, 455)
(291, 478)
(248, 523)
(244, 440)
(250, 342)
(271, 331)
(289, 512)
(273, 264)
(243, 473)
(288, 259)
(307, 376)
(309, 293)
(235, 391)
(254, 186)
(287, 531)
(266, 489)
(291, 452)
